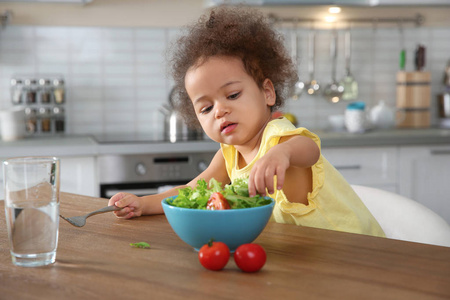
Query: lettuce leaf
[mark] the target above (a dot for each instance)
(236, 194)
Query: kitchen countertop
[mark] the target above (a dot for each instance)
(97, 262)
(72, 145)
(394, 137)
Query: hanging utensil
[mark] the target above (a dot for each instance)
(402, 48)
(419, 58)
(348, 82)
(299, 86)
(312, 87)
(333, 91)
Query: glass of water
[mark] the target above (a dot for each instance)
(32, 209)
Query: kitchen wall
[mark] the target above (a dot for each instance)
(116, 75)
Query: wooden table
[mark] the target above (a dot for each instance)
(97, 262)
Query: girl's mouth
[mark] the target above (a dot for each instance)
(228, 127)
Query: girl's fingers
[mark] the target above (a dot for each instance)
(268, 182)
(115, 198)
(260, 182)
(251, 184)
(280, 178)
(126, 200)
(127, 212)
(129, 215)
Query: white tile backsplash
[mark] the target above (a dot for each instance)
(116, 78)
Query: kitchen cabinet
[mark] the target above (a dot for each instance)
(420, 173)
(79, 175)
(368, 166)
(424, 173)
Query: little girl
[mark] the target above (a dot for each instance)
(231, 73)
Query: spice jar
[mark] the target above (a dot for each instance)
(16, 91)
(30, 120)
(58, 91)
(58, 119)
(30, 91)
(45, 120)
(45, 91)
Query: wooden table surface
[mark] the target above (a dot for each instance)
(97, 262)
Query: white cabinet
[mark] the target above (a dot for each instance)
(79, 175)
(368, 166)
(424, 175)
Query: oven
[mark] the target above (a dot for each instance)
(145, 174)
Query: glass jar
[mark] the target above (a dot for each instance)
(16, 91)
(45, 91)
(30, 119)
(59, 119)
(58, 91)
(30, 90)
(45, 119)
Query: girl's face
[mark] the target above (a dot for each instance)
(229, 105)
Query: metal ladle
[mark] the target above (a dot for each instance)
(333, 91)
(299, 86)
(313, 86)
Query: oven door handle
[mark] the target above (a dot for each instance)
(137, 192)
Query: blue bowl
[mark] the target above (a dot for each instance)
(234, 227)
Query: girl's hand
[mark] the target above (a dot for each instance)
(132, 205)
(296, 151)
(274, 162)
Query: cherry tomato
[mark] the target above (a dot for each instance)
(214, 255)
(217, 202)
(250, 257)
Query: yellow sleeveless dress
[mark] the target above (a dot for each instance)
(332, 203)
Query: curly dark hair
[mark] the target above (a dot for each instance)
(231, 31)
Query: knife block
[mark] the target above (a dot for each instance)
(413, 99)
(413, 118)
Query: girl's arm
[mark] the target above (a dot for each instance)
(303, 152)
(134, 206)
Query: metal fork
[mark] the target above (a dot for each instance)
(80, 221)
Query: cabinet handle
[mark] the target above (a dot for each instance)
(352, 167)
(150, 191)
(440, 152)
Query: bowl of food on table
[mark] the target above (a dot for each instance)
(210, 212)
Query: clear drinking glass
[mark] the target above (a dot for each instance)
(32, 209)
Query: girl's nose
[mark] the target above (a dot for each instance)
(221, 109)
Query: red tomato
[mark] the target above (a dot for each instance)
(250, 257)
(214, 255)
(217, 202)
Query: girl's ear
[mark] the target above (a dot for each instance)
(269, 92)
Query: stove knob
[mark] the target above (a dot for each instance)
(141, 169)
(201, 166)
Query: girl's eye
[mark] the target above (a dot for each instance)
(206, 110)
(234, 96)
